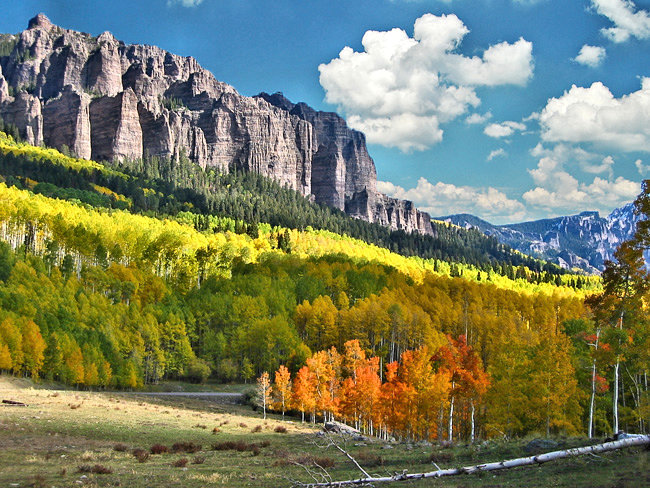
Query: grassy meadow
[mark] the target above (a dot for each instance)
(79, 438)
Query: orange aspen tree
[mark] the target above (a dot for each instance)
(394, 396)
(468, 379)
(368, 390)
(304, 392)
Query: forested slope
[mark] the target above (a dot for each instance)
(98, 296)
(161, 187)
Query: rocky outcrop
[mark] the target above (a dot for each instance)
(106, 100)
(344, 174)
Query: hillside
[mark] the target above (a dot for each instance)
(108, 101)
(163, 187)
(584, 241)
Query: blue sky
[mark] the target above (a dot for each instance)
(507, 109)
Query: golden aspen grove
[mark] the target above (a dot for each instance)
(101, 288)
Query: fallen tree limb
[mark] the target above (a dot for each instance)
(13, 403)
(511, 463)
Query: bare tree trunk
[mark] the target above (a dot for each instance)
(615, 401)
(450, 429)
(593, 389)
(510, 463)
(473, 426)
(590, 432)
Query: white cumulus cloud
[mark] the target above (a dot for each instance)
(594, 115)
(503, 129)
(643, 169)
(591, 56)
(184, 3)
(444, 198)
(477, 118)
(497, 153)
(628, 21)
(400, 90)
(557, 191)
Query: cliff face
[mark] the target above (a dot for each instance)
(344, 175)
(106, 100)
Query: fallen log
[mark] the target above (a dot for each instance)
(12, 403)
(511, 463)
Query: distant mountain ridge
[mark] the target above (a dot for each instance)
(583, 241)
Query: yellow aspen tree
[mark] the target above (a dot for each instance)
(264, 391)
(282, 387)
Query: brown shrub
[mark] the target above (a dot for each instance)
(369, 459)
(243, 425)
(198, 460)
(141, 455)
(180, 463)
(255, 450)
(265, 443)
(441, 457)
(96, 469)
(120, 447)
(280, 429)
(186, 447)
(37, 481)
(200, 426)
(239, 446)
(216, 430)
(257, 428)
(74, 407)
(158, 449)
(323, 462)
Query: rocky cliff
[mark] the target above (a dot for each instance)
(106, 100)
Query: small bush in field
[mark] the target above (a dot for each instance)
(441, 457)
(120, 447)
(216, 430)
(257, 428)
(141, 455)
(280, 429)
(198, 460)
(96, 469)
(186, 447)
(180, 463)
(323, 462)
(368, 459)
(158, 449)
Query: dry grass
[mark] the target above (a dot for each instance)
(46, 443)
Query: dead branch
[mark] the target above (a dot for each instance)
(511, 463)
(13, 403)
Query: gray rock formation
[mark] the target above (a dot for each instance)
(108, 101)
(344, 175)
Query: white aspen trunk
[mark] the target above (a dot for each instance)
(616, 368)
(450, 429)
(615, 401)
(593, 389)
(473, 425)
(510, 463)
(590, 429)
